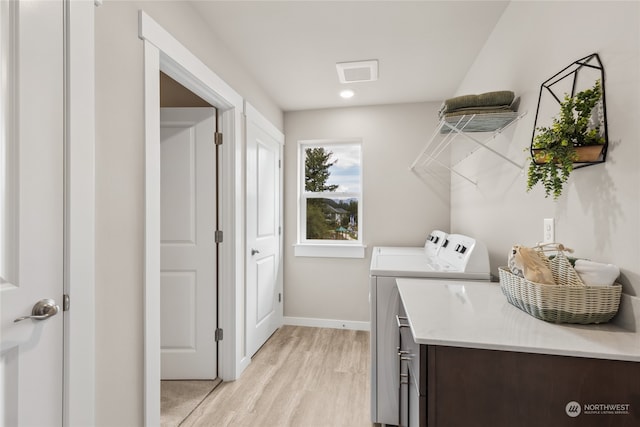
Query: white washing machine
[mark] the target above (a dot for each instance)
(452, 256)
(431, 246)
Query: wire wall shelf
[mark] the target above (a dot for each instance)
(449, 128)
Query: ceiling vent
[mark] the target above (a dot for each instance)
(359, 71)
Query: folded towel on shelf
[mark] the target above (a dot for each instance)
(595, 273)
(490, 121)
(497, 98)
(477, 110)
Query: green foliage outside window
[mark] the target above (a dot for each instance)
(316, 170)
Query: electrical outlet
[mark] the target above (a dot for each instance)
(549, 231)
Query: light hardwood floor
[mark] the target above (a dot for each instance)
(307, 377)
(179, 398)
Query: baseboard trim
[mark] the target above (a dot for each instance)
(327, 323)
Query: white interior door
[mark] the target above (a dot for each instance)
(188, 249)
(31, 211)
(264, 240)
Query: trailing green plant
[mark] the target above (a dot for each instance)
(555, 146)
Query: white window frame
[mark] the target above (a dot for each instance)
(327, 248)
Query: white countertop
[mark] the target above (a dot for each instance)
(477, 315)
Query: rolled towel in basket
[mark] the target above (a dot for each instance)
(595, 273)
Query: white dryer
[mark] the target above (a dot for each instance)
(452, 256)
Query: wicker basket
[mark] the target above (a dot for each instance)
(569, 301)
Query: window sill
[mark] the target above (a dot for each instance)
(329, 250)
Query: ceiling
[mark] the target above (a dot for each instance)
(424, 48)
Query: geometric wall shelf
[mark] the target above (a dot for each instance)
(576, 77)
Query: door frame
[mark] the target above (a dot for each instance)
(162, 52)
(78, 394)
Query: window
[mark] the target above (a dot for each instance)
(330, 198)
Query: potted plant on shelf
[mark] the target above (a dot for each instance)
(573, 137)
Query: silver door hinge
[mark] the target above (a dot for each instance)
(217, 138)
(279, 164)
(66, 302)
(279, 296)
(279, 230)
(218, 236)
(218, 335)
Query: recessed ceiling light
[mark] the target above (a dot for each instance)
(347, 93)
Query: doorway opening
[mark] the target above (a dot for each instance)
(189, 255)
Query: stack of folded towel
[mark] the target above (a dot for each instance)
(490, 102)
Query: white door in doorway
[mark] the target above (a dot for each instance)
(188, 250)
(264, 240)
(31, 212)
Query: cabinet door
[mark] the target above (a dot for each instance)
(498, 388)
(405, 358)
(413, 394)
(417, 400)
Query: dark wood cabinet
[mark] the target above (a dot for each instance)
(472, 387)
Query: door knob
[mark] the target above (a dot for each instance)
(254, 251)
(43, 309)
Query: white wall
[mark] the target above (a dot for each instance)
(599, 212)
(119, 187)
(399, 208)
